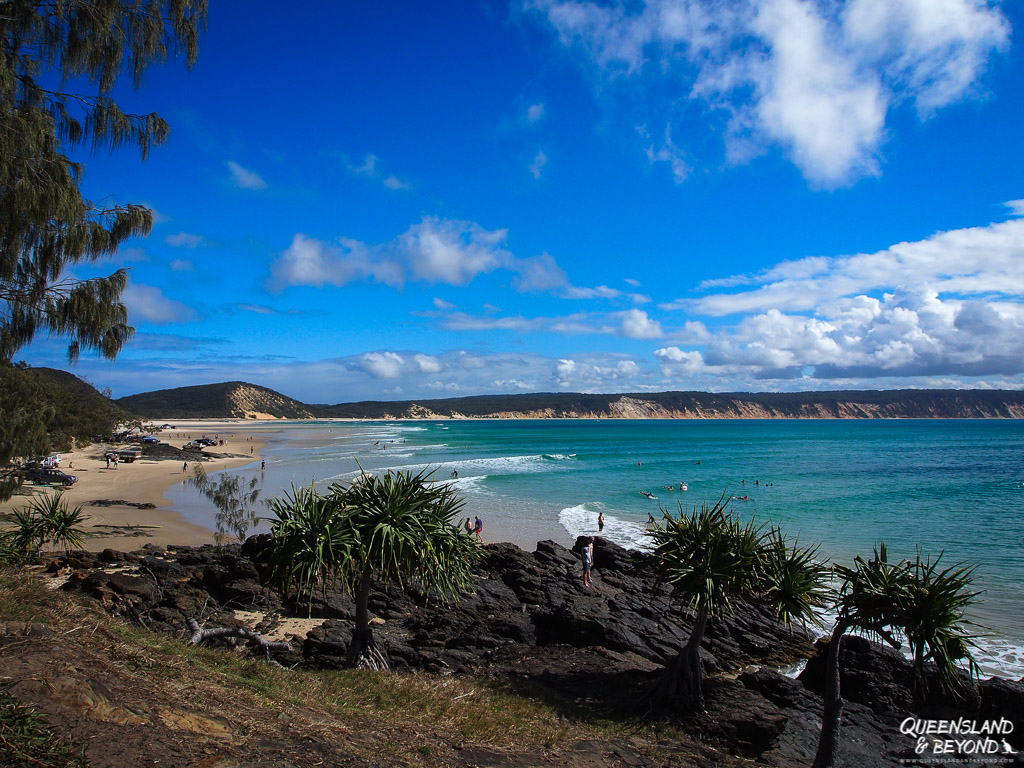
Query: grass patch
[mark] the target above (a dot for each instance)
(24, 596)
(25, 736)
(455, 710)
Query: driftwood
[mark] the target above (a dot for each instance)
(199, 635)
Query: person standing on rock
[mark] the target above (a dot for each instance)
(588, 561)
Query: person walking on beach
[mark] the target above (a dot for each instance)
(478, 526)
(184, 467)
(588, 560)
(600, 521)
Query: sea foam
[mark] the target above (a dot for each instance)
(581, 520)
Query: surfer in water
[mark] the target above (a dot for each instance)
(648, 494)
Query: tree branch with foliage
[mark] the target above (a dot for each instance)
(235, 501)
(46, 227)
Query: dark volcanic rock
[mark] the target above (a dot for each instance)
(870, 674)
(529, 616)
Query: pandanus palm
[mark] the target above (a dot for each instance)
(400, 526)
(308, 546)
(714, 560)
(48, 518)
(933, 619)
(889, 600)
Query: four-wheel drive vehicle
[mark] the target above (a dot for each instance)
(50, 476)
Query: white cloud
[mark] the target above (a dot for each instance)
(939, 49)
(443, 305)
(667, 152)
(147, 303)
(598, 292)
(184, 240)
(944, 309)
(637, 325)
(393, 182)
(815, 77)
(506, 385)
(905, 333)
(973, 261)
(258, 309)
(676, 362)
(382, 365)
(182, 265)
(432, 251)
(245, 179)
(535, 113)
(538, 273)
(427, 363)
(460, 321)
(369, 169)
(537, 166)
(817, 103)
(453, 252)
(308, 261)
(599, 373)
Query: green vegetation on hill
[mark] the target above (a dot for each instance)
(43, 409)
(916, 403)
(235, 399)
(230, 399)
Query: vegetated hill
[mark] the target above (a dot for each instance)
(54, 401)
(869, 404)
(229, 400)
(247, 401)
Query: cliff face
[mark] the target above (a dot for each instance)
(735, 407)
(240, 400)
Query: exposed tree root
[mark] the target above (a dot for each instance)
(199, 635)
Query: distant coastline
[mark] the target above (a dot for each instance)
(241, 400)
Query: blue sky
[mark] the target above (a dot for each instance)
(404, 200)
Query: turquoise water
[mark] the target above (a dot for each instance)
(954, 486)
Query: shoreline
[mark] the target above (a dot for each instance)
(123, 526)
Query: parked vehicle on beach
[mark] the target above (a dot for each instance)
(50, 476)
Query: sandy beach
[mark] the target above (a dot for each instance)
(120, 525)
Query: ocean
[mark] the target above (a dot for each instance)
(953, 487)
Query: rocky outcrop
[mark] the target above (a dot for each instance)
(530, 617)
